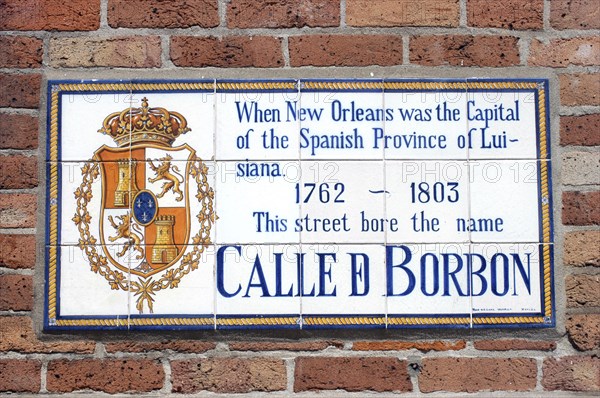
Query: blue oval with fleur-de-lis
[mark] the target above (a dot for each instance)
(145, 207)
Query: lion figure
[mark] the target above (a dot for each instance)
(131, 234)
(164, 171)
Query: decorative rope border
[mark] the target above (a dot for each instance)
(189, 263)
(349, 320)
(258, 321)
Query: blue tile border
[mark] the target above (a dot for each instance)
(54, 321)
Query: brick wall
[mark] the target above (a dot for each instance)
(558, 39)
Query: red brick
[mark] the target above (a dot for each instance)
(583, 291)
(584, 331)
(20, 375)
(18, 251)
(163, 14)
(393, 345)
(493, 51)
(18, 131)
(227, 52)
(575, 14)
(351, 374)
(560, 53)
(507, 14)
(581, 208)
(86, 52)
(20, 91)
(345, 50)
(228, 375)
(402, 13)
(69, 15)
(580, 89)
(514, 344)
(17, 292)
(17, 210)
(20, 52)
(17, 171)
(18, 335)
(284, 346)
(177, 345)
(580, 130)
(571, 373)
(108, 375)
(477, 374)
(283, 13)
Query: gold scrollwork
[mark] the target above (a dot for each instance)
(144, 289)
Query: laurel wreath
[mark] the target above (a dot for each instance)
(144, 290)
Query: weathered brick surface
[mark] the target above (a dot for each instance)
(20, 52)
(393, 345)
(18, 171)
(575, 14)
(572, 373)
(162, 14)
(514, 344)
(560, 53)
(16, 292)
(508, 14)
(17, 210)
(50, 15)
(345, 50)
(282, 13)
(492, 51)
(18, 131)
(20, 375)
(227, 52)
(581, 168)
(129, 52)
(18, 335)
(18, 251)
(351, 374)
(581, 208)
(581, 248)
(284, 346)
(108, 375)
(20, 91)
(580, 89)
(583, 291)
(228, 375)
(477, 374)
(175, 345)
(402, 13)
(580, 130)
(584, 331)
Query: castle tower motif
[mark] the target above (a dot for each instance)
(164, 250)
(127, 185)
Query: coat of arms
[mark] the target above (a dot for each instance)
(155, 200)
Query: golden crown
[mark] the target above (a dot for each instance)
(144, 125)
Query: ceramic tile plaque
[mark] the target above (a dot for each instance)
(298, 204)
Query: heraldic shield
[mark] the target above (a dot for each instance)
(148, 190)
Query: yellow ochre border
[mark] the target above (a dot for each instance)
(126, 322)
(53, 194)
(343, 320)
(225, 321)
(53, 204)
(545, 202)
